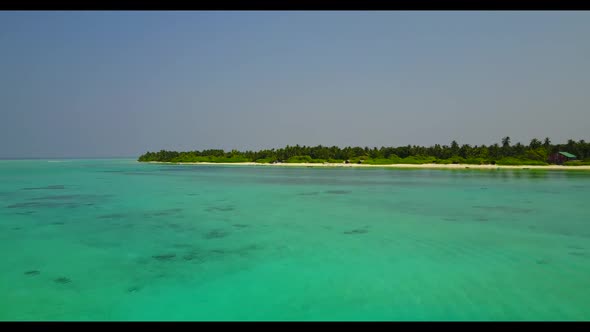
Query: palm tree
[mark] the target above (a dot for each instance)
(535, 144)
(506, 142)
(547, 142)
(506, 146)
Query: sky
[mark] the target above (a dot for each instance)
(118, 84)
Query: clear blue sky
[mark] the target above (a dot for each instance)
(99, 84)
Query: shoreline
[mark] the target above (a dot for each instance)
(416, 166)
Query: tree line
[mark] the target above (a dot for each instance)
(504, 153)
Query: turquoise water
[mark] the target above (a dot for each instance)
(120, 240)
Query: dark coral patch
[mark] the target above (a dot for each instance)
(357, 231)
(542, 261)
(193, 256)
(66, 201)
(313, 193)
(164, 257)
(58, 197)
(167, 212)
(242, 251)
(29, 205)
(338, 192)
(215, 234)
(163, 213)
(26, 213)
(53, 187)
(133, 289)
(62, 280)
(508, 209)
(225, 208)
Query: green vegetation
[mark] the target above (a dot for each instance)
(577, 163)
(519, 162)
(535, 153)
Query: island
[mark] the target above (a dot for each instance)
(536, 155)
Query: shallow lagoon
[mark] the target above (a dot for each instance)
(121, 240)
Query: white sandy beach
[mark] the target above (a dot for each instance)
(420, 166)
